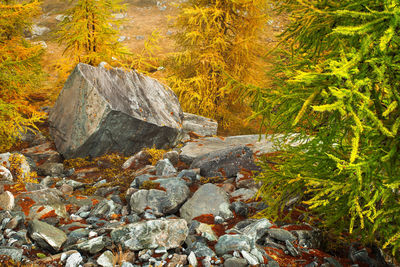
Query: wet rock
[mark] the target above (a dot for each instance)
(7, 201)
(14, 253)
(199, 125)
(106, 259)
(46, 235)
(226, 162)
(281, 235)
(229, 243)
(165, 168)
(151, 234)
(206, 200)
(103, 110)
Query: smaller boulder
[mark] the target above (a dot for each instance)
(46, 235)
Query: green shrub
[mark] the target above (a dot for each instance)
(338, 81)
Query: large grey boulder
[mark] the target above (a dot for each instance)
(103, 110)
(151, 234)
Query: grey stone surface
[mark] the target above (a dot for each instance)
(228, 243)
(226, 162)
(46, 235)
(243, 194)
(308, 238)
(103, 110)
(281, 234)
(106, 259)
(166, 201)
(206, 200)
(198, 124)
(164, 167)
(92, 246)
(74, 260)
(51, 169)
(14, 253)
(151, 234)
(258, 144)
(235, 262)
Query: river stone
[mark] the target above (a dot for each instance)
(206, 200)
(151, 234)
(103, 110)
(226, 162)
(46, 235)
(200, 125)
(14, 253)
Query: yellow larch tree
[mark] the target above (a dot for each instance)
(215, 39)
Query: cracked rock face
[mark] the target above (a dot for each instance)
(103, 110)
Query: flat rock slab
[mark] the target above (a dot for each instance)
(151, 234)
(258, 144)
(225, 162)
(102, 110)
(198, 124)
(46, 235)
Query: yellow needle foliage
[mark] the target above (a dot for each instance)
(20, 71)
(88, 32)
(215, 38)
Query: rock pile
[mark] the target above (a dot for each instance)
(169, 215)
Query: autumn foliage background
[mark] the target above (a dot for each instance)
(331, 77)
